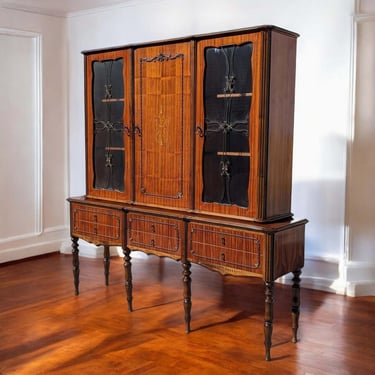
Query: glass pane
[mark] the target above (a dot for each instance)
(227, 100)
(108, 110)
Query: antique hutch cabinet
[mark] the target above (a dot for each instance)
(189, 155)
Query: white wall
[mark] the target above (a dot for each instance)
(33, 135)
(20, 132)
(360, 263)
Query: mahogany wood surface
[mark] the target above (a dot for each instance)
(45, 329)
(278, 136)
(155, 235)
(97, 224)
(162, 125)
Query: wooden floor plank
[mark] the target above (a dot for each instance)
(46, 329)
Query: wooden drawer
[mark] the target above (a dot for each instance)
(155, 234)
(228, 250)
(96, 224)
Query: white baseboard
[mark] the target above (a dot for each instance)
(85, 249)
(88, 250)
(22, 247)
(361, 288)
(353, 279)
(360, 279)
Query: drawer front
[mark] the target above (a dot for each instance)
(148, 232)
(98, 225)
(231, 250)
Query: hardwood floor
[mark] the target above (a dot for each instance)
(46, 329)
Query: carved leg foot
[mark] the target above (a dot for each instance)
(268, 318)
(128, 278)
(295, 303)
(106, 264)
(75, 252)
(187, 294)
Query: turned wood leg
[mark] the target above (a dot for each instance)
(187, 294)
(75, 252)
(128, 278)
(268, 318)
(106, 260)
(295, 303)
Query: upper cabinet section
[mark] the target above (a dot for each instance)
(163, 93)
(203, 124)
(244, 123)
(108, 125)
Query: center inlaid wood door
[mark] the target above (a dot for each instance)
(163, 157)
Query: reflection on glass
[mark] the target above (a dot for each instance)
(227, 101)
(108, 110)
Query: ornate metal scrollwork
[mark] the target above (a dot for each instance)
(108, 126)
(199, 131)
(229, 84)
(226, 127)
(108, 160)
(137, 130)
(224, 168)
(108, 91)
(162, 57)
(127, 130)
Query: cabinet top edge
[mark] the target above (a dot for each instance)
(96, 202)
(197, 37)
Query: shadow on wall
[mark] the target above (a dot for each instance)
(322, 202)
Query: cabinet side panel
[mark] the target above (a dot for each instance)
(289, 251)
(280, 128)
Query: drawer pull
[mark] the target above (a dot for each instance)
(95, 218)
(222, 257)
(95, 230)
(152, 243)
(152, 228)
(223, 241)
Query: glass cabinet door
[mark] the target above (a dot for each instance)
(227, 101)
(108, 122)
(108, 109)
(227, 122)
